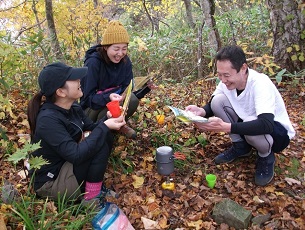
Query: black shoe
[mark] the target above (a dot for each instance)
(264, 169)
(238, 149)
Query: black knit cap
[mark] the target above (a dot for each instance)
(54, 76)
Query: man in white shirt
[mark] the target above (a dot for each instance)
(247, 105)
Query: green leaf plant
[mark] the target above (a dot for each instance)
(25, 154)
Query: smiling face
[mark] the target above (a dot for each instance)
(116, 52)
(230, 77)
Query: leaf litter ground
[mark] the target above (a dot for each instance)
(190, 204)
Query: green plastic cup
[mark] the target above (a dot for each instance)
(211, 180)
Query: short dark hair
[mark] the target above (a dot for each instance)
(234, 54)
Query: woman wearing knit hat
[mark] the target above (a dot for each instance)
(109, 74)
(75, 164)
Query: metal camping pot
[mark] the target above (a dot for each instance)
(165, 160)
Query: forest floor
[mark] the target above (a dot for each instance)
(133, 174)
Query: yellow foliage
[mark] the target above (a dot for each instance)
(74, 21)
(167, 7)
(2, 115)
(270, 42)
(141, 45)
(6, 107)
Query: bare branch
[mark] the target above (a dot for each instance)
(23, 29)
(13, 7)
(149, 17)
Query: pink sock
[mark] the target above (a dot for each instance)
(92, 189)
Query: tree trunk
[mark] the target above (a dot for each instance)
(208, 10)
(95, 3)
(189, 15)
(287, 25)
(52, 30)
(199, 53)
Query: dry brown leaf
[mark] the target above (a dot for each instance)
(137, 181)
(257, 200)
(270, 189)
(195, 224)
(163, 223)
(2, 222)
(291, 181)
(152, 206)
(195, 184)
(149, 224)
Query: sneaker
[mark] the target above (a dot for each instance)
(95, 204)
(108, 192)
(264, 169)
(238, 149)
(128, 132)
(98, 202)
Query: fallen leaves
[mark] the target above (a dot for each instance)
(189, 205)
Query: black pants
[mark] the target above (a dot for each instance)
(93, 170)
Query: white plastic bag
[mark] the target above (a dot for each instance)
(111, 217)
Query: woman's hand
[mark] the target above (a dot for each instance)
(115, 97)
(195, 110)
(151, 84)
(115, 123)
(214, 124)
(109, 115)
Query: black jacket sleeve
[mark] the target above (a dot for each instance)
(264, 124)
(208, 109)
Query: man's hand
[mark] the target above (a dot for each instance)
(214, 124)
(195, 110)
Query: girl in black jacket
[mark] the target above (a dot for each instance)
(75, 164)
(109, 74)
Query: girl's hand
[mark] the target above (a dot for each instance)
(214, 124)
(195, 110)
(109, 115)
(151, 85)
(115, 97)
(115, 123)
